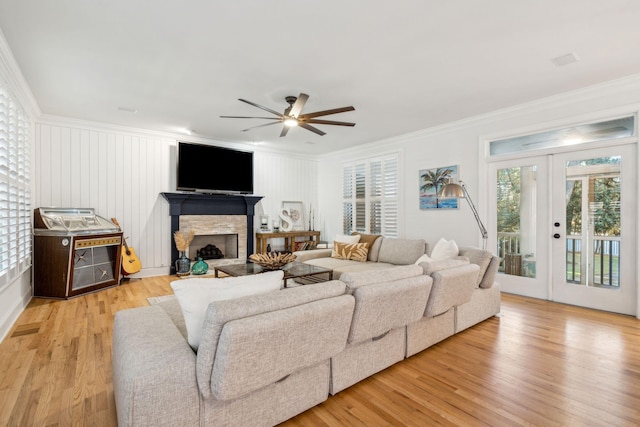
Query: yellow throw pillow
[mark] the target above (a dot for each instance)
(352, 251)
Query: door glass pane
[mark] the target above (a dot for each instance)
(574, 230)
(516, 220)
(593, 222)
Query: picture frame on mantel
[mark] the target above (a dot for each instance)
(293, 212)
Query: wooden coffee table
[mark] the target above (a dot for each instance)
(293, 270)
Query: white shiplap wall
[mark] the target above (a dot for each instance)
(121, 174)
(279, 178)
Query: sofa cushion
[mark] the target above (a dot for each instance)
(360, 266)
(432, 265)
(353, 251)
(354, 280)
(386, 299)
(490, 275)
(401, 251)
(224, 315)
(481, 257)
(444, 249)
(384, 306)
(304, 256)
(195, 294)
(451, 287)
(340, 266)
(257, 351)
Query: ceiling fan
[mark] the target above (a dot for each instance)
(293, 116)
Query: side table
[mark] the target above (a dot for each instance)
(288, 236)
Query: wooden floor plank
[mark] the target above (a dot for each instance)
(538, 363)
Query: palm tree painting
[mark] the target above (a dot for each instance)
(431, 182)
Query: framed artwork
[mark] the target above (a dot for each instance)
(293, 214)
(431, 182)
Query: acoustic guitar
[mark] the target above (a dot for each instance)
(130, 262)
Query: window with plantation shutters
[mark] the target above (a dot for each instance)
(370, 196)
(15, 203)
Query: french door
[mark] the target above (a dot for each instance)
(565, 227)
(594, 205)
(520, 220)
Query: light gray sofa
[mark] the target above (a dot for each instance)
(264, 359)
(464, 291)
(383, 253)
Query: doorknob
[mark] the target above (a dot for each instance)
(557, 235)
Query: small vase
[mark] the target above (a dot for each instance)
(183, 265)
(199, 267)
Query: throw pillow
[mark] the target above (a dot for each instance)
(352, 251)
(424, 258)
(343, 238)
(194, 296)
(444, 249)
(369, 239)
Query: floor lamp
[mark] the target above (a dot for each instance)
(459, 191)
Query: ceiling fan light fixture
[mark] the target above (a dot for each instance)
(291, 122)
(293, 116)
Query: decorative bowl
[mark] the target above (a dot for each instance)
(272, 260)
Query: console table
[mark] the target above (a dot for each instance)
(288, 236)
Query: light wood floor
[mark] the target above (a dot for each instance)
(539, 363)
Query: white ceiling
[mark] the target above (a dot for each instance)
(405, 65)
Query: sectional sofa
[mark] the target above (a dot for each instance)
(473, 292)
(263, 359)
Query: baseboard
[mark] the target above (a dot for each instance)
(11, 319)
(151, 272)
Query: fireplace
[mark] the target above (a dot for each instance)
(228, 233)
(214, 216)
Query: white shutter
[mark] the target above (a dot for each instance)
(15, 198)
(390, 198)
(370, 196)
(347, 196)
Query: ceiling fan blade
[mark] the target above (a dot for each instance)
(329, 122)
(261, 107)
(311, 128)
(260, 126)
(246, 117)
(297, 107)
(285, 129)
(326, 112)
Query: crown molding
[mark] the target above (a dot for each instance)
(53, 120)
(621, 85)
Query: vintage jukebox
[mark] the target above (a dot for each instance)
(75, 252)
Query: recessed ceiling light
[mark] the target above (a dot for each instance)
(567, 59)
(127, 109)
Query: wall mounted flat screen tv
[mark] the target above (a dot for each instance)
(210, 169)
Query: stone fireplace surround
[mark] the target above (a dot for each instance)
(227, 232)
(231, 210)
